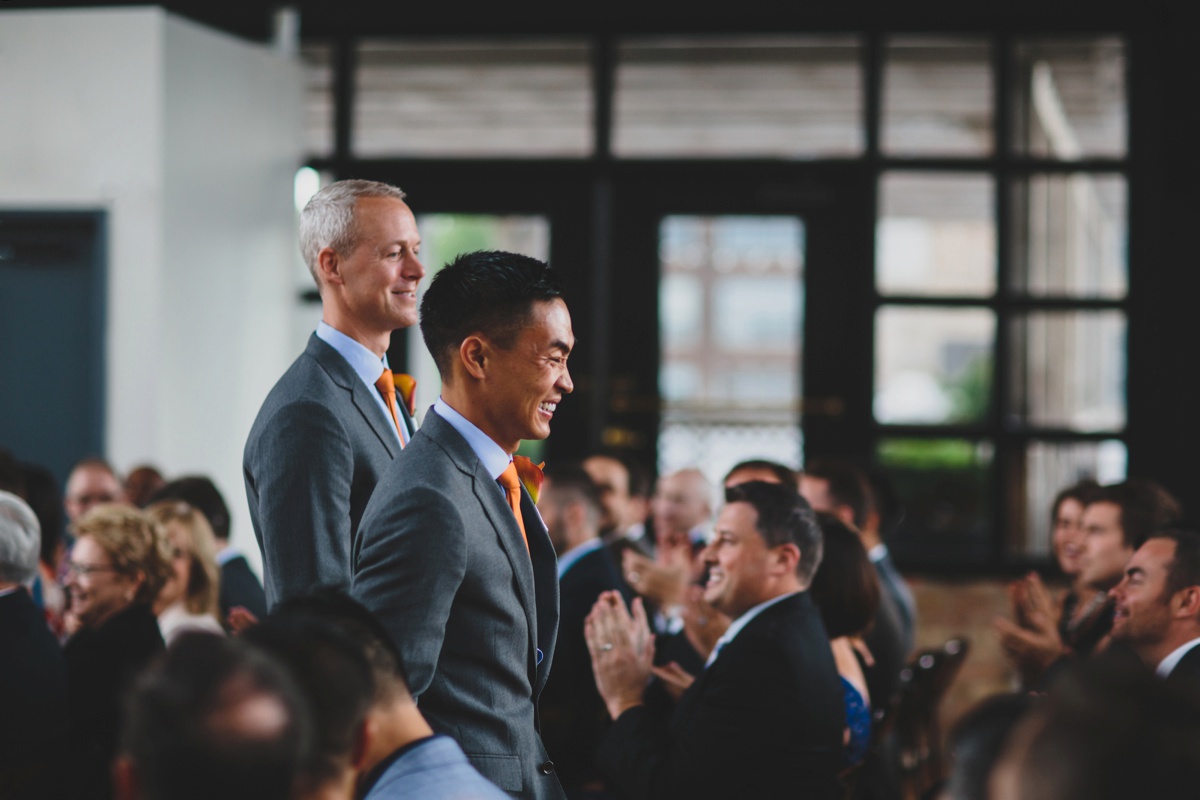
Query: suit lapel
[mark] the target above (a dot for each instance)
(345, 377)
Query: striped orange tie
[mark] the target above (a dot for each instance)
(387, 389)
(512, 490)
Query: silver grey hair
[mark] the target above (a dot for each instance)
(328, 218)
(20, 540)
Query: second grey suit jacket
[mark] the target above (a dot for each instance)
(313, 457)
(440, 560)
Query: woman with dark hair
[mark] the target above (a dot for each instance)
(846, 590)
(118, 565)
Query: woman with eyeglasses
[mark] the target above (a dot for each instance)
(188, 600)
(116, 569)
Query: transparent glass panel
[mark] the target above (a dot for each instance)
(789, 97)
(731, 302)
(473, 98)
(1070, 98)
(937, 97)
(1069, 235)
(445, 236)
(933, 365)
(317, 59)
(944, 490)
(936, 235)
(1047, 469)
(1068, 370)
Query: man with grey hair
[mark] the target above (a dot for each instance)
(336, 419)
(33, 675)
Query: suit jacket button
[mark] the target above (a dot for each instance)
(547, 768)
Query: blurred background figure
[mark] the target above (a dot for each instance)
(239, 586)
(118, 565)
(188, 600)
(33, 677)
(92, 482)
(215, 718)
(141, 483)
(975, 742)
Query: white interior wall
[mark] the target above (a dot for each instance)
(189, 139)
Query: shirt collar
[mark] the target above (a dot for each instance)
(1167, 664)
(366, 365)
(568, 559)
(490, 454)
(736, 626)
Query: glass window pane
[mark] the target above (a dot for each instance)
(1070, 98)
(933, 365)
(1070, 235)
(936, 235)
(1048, 468)
(1068, 370)
(730, 315)
(937, 97)
(481, 98)
(443, 237)
(944, 489)
(317, 59)
(789, 97)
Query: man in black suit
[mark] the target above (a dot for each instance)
(766, 717)
(1157, 605)
(573, 716)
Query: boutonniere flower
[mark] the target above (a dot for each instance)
(406, 390)
(530, 475)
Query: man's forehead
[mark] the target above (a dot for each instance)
(1156, 552)
(1101, 511)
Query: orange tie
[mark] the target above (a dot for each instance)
(387, 389)
(512, 489)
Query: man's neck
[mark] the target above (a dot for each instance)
(395, 725)
(472, 410)
(1152, 654)
(375, 341)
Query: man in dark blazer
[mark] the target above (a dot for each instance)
(1157, 605)
(333, 422)
(766, 716)
(452, 555)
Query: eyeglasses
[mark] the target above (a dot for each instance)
(88, 569)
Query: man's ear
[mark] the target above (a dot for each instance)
(473, 354)
(363, 738)
(1187, 601)
(329, 266)
(125, 783)
(787, 556)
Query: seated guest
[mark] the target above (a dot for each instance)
(335, 680)
(766, 717)
(976, 740)
(33, 677)
(215, 718)
(142, 483)
(573, 716)
(400, 754)
(1157, 605)
(846, 591)
(92, 482)
(759, 469)
(240, 587)
(188, 600)
(117, 567)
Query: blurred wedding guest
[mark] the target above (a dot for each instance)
(1108, 730)
(846, 592)
(188, 600)
(240, 587)
(42, 493)
(400, 755)
(117, 567)
(33, 677)
(759, 469)
(141, 483)
(92, 482)
(334, 677)
(974, 743)
(214, 718)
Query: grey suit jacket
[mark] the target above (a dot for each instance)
(440, 560)
(314, 455)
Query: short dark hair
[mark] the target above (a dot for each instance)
(489, 292)
(784, 473)
(361, 626)
(571, 481)
(1081, 492)
(1184, 570)
(846, 587)
(1145, 507)
(848, 486)
(180, 730)
(783, 517)
(200, 493)
(334, 677)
